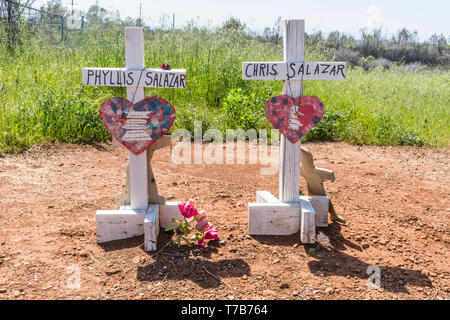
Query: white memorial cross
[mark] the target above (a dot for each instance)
(288, 214)
(129, 221)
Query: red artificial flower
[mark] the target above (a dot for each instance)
(166, 66)
(187, 209)
(202, 242)
(212, 234)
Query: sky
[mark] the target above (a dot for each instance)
(349, 16)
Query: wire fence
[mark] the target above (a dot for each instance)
(56, 26)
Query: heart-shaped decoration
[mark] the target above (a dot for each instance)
(294, 117)
(137, 126)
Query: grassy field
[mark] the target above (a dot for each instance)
(42, 99)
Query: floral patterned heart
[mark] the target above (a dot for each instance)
(137, 126)
(294, 117)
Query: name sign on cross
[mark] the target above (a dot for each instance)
(123, 77)
(293, 70)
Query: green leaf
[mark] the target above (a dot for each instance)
(170, 228)
(312, 252)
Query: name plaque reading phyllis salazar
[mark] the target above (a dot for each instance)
(293, 70)
(123, 77)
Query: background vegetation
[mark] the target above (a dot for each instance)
(396, 91)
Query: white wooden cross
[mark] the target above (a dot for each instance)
(289, 213)
(129, 221)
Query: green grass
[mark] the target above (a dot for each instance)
(43, 100)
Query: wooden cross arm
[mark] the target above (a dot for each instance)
(325, 174)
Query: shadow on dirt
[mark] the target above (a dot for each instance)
(190, 263)
(122, 244)
(338, 263)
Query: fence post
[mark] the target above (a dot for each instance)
(62, 28)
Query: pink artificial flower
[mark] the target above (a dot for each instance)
(212, 234)
(201, 215)
(187, 209)
(203, 225)
(202, 242)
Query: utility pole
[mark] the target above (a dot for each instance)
(140, 14)
(173, 22)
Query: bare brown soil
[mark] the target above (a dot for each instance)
(395, 199)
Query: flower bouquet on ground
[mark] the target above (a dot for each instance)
(183, 229)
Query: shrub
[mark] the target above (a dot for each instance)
(367, 63)
(383, 63)
(346, 55)
(242, 110)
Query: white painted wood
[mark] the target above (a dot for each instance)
(130, 77)
(289, 175)
(167, 212)
(151, 227)
(273, 218)
(119, 224)
(134, 59)
(308, 222)
(293, 70)
(320, 205)
(265, 196)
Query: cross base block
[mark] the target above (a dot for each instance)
(270, 216)
(127, 223)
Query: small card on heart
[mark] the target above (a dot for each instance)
(137, 126)
(294, 117)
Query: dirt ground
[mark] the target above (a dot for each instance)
(395, 200)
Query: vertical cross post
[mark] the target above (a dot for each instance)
(289, 173)
(134, 59)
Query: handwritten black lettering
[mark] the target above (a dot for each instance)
(171, 80)
(274, 71)
(175, 84)
(333, 70)
(301, 70)
(291, 68)
(246, 70)
(90, 74)
(130, 78)
(149, 76)
(262, 70)
(316, 70)
(341, 68)
(326, 67)
(307, 70)
(98, 75)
